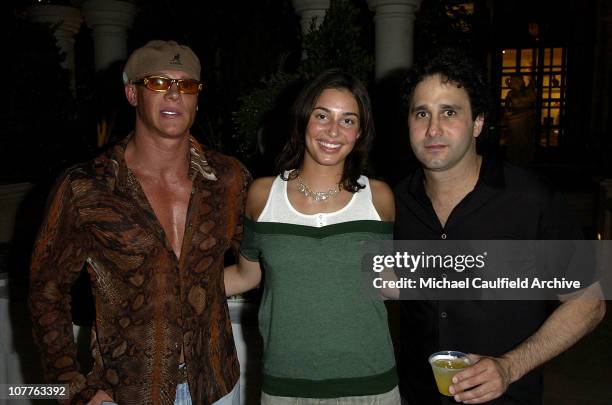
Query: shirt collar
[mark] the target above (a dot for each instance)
(491, 174)
(198, 164)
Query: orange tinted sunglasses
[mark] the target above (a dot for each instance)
(162, 84)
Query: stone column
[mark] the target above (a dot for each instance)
(110, 20)
(68, 21)
(394, 22)
(309, 10)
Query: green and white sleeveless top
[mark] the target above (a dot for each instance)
(279, 209)
(323, 336)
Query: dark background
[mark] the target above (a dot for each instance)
(47, 126)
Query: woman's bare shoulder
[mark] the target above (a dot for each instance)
(383, 200)
(258, 196)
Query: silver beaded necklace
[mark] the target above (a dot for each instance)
(317, 196)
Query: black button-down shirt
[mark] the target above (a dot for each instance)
(506, 203)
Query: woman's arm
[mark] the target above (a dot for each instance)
(246, 274)
(241, 277)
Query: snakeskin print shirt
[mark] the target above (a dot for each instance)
(149, 304)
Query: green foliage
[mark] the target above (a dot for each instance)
(442, 23)
(249, 118)
(336, 42)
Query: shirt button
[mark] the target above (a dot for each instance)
(320, 220)
(443, 236)
(443, 314)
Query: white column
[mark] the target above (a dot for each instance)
(110, 20)
(309, 10)
(394, 22)
(248, 348)
(67, 21)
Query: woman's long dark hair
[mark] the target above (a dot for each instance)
(292, 156)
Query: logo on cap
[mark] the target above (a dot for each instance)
(176, 60)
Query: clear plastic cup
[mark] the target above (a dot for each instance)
(445, 365)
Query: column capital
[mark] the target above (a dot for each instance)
(394, 27)
(68, 19)
(395, 5)
(303, 5)
(310, 11)
(110, 20)
(108, 13)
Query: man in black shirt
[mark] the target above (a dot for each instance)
(459, 194)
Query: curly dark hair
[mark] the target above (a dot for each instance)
(453, 66)
(292, 155)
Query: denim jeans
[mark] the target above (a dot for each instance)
(183, 397)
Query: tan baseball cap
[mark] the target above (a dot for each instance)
(159, 55)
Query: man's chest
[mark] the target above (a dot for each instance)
(124, 225)
(500, 218)
(170, 205)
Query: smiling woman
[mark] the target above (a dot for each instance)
(333, 103)
(324, 340)
(332, 129)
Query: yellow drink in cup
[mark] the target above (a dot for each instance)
(445, 365)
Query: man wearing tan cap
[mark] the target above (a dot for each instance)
(151, 218)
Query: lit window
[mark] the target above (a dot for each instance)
(543, 70)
